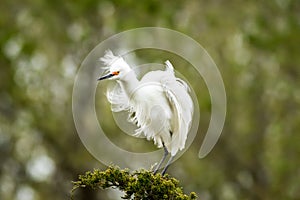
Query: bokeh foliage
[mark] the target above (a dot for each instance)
(254, 43)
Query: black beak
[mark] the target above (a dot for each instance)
(105, 77)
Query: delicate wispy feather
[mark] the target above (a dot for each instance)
(169, 66)
(108, 58)
(118, 99)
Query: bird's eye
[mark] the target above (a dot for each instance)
(116, 73)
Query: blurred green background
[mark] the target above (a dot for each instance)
(255, 44)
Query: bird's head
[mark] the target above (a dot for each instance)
(116, 66)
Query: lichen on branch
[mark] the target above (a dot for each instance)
(139, 185)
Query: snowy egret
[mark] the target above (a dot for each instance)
(159, 104)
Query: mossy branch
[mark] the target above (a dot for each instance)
(138, 185)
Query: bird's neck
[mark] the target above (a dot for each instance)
(129, 82)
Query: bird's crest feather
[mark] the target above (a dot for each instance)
(108, 58)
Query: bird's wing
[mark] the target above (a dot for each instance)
(118, 99)
(177, 92)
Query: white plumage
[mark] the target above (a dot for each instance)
(159, 104)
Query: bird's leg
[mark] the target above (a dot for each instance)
(162, 160)
(168, 164)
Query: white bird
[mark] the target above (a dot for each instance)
(159, 104)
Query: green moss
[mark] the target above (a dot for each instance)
(141, 184)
